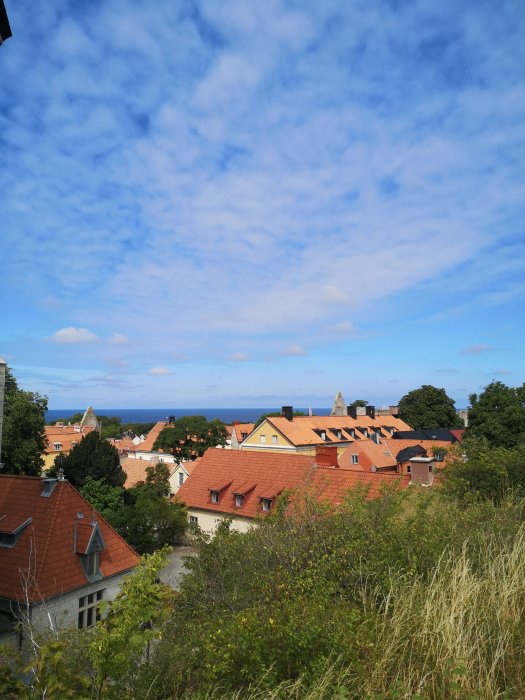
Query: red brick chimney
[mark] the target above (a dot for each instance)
(326, 456)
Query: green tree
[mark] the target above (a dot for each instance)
(189, 437)
(148, 520)
(24, 439)
(92, 457)
(498, 415)
(106, 499)
(359, 402)
(428, 407)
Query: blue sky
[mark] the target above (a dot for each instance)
(248, 203)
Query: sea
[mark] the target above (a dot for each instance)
(152, 415)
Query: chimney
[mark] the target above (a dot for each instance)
(351, 411)
(287, 412)
(49, 486)
(326, 456)
(422, 471)
(371, 411)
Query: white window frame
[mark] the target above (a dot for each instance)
(239, 500)
(262, 439)
(181, 478)
(266, 504)
(194, 520)
(88, 613)
(355, 459)
(57, 446)
(274, 439)
(214, 495)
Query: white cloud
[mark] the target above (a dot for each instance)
(74, 336)
(118, 339)
(159, 371)
(238, 357)
(294, 351)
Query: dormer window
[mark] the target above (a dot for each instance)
(244, 436)
(355, 459)
(239, 500)
(266, 504)
(364, 431)
(214, 496)
(88, 544)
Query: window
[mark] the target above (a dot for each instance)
(364, 431)
(409, 468)
(181, 478)
(214, 496)
(194, 519)
(266, 503)
(244, 436)
(88, 612)
(239, 498)
(274, 439)
(91, 564)
(57, 446)
(323, 435)
(73, 443)
(263, 439)
(355, 459)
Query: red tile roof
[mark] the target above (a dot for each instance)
(147, 444)
(45, 547)
(260, 474)
(301, 430)
(65, 435)
(124, 444)
(135, 470)
(370, 454)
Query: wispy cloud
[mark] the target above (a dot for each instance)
(74, 336)
(478, 349)
(286, 168)
(294, 350)
(501, 372)
(447, 370)
(159, 371)
(238, 357)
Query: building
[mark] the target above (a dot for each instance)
(237, 433)
(303, 434)
(135, 470)
(61, 439)
(393, 456)
(58, 558)
(244, 485)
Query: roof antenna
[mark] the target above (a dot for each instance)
(60, 474)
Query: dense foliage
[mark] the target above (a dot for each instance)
(190, 436)
(428, 407)
(498, 415)
(93, 458)
(142, 515)
(417, 594)
(276, 414)
(23, 439)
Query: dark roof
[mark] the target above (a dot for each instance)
(409, 452)
(428, 434)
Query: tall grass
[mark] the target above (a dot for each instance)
(459, 635)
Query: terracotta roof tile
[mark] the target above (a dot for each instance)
(65, 436)
(271, 473)
(301, 430)
(147, 444)
(44, 550)
(369, 454)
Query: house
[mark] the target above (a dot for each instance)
(302, 434)
(145, 450)
(237, 433)
(58, 558)
(390, 455)
(61, 439)
(124, 444)
(135, 470)
(243, 485)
